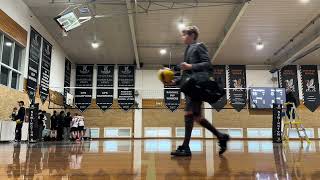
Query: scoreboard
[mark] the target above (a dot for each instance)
(264, 97)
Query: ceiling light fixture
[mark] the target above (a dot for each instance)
(9, 44)
(95, 44)
(259, 46)
(181, 25)
(304, 1)
(163, 51)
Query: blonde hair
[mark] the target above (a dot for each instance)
(189, 30)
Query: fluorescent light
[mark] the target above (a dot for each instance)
(68, 21)
(163, 51)
(304, 1)
(95, 45)
(9, 44)
(181, 26)
(259, 46)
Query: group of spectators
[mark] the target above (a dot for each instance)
(62, 126)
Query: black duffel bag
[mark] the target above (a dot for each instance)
(201, 86)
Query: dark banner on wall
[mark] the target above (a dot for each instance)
(172, 95)
(289, 80)
(310, 86)
(33, 67)
(33, 122)
(276, 123)
(126, 76)
(45, 70)
(219, 75)
(84, 77)
(67, 79)
(237, 79)
(105, 76)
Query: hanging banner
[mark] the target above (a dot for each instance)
(45, 70)
(289, 80)
(126, 76)
(237, 79)
(219, 75)
(310, 86)
(104, 97)
(172, 96)
(67, 79)
(276, 123)
(33, 122)
(84, 77)
(33, 67)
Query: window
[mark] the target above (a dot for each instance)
(233, 132)
(4, 76)
(196, 132)
(14, 80)
(117, 132)
(7, 51)
(94, 132)
(10, 62)
(259, 133)
(17, 57)
(157, 132)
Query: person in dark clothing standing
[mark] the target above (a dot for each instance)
(60, 124)
(19, 121)
(66, 128)
(290, 99)
(53, 124)
(196, 59)
(40, 124)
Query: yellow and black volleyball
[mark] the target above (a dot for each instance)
(165, 75)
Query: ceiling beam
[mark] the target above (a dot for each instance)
(133, 33)
(122, 2)
(170, 45)
(230, 25)
(299, 46)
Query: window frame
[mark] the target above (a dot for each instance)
(10, 67)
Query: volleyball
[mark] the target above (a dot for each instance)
(165, 75)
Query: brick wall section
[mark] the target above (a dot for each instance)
(154, 117)
(9, 98)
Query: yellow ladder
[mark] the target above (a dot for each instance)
(294, 122)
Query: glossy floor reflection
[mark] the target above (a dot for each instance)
(150, 159)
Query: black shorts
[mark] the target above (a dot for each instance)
(194, 106)
(81, 128)
(73, 129)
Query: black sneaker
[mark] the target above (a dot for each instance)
(181, 151)
(223, 143)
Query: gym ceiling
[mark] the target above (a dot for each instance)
(268, 33)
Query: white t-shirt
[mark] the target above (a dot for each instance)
(74, 122)
(81, 121)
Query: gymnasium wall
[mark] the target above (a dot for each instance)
(9, 98)
(19, 15)
(155, 114)
(22, 15)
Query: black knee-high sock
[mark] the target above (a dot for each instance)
(205, 123)
(188, 124)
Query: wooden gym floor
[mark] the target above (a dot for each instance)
(150, 159)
